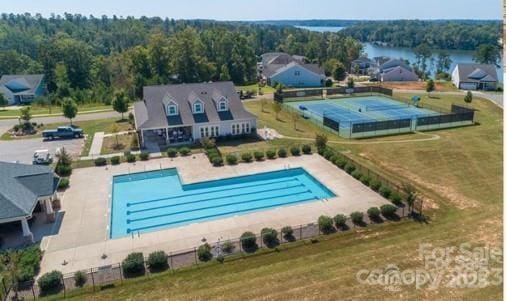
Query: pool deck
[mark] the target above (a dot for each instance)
(83, 234)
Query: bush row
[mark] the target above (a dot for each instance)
(183, 151)
(129, 157)
(248, 157)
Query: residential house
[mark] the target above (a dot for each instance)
(186, 113)
(22, 89)
(396, 70)
(471, 76)
(290, 71)
(362, 65)
(24, 189)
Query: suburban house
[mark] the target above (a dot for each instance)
(186, 113)
(395, 70)
(363, 65)
(471, 76)
(290, 71)
(22, 89)
(25, 189)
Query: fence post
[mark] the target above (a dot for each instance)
(300, 232)
(261, 239)
(120, 272)
(93, 278)
(195, 252)
(171, 264)
(64, 288)
(33, 291)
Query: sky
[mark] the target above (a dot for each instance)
(266, 9)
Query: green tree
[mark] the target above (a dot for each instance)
(120, 103)
(277, 109)
(115, 130)
(339, 72)
(69, 108)
(159, 57)
(3, 101)
(422, 53)
(295, 118)
(351, 83)
(321, 142)
(443, 62)
(488, 54)
(411, 195)
(430, 86)
(25, 114)
(469, 97)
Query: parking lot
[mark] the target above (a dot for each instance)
(22, 150)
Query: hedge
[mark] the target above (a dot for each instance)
(133, 265)
(204, 252)
(29, 263)
(325, 224)
(271, 154)
(357, 217)
(64, 183)
(50, 283)
(144, 156)
(80, 278)
(388, 210)
(356, 174)
(349, 168)
(287, 232)
(231, 159)
(249, 241)
(375, 185)
(171, 152)
(373, 212)
(269, 237)
(247, 157)
(228, 247)
(366, 180)
(115, 160)
(295, 151)
(259, 156)
(282, 153)
(185, 151)
(396, 199)
(340, 220)
(130, 158)
(157, 261)
(217, 161)
(385, 191)
(306, 149)
(100, 161)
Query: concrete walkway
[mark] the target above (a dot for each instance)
(96, 144)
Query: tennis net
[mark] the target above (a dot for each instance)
(386, 107)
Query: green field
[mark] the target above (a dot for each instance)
(41, 111)
(459, 173)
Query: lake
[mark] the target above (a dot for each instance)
(372, 50)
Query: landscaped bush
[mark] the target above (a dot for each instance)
(144, 156)
(270, 154)
(249, 242)
(157, 261)
(80, 278)
(306, 149)
(349, 168)
(282, 153)
(388, 210)
(115, 160)
(287, 233)
(385, 191)
(133, 265)
(328, 153)
(396, 199)
(373, 212)
(228, 247)
(29, 263)
(64, 183)
(357, 217)
(356, 174)
(204, 252)
(172, 152)
(217, 161)
(295, 151)
(50, 283)
(340, 220)
(130, 158)
(231, 159)
(325, 224)
(185, 151)
(247, 157)
(375, 185)
(269, 237)
(259, 156)
(63, 170)
(100, 161)
(340, 162)
(366, 180)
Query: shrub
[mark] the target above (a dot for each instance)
(295, 151)
(157, 261)
(388, 210)
(247, 157)
(63, 170)
(171, 152)
(306, 149)
(356, 174)
(231, 159)
(357, 217)
(29, 263)
(385, 191)
(396, 199)
(130, 158)
(328, 153)
(204, 252)
(64, 183)
(185, 151)
(133, 265)
(282, 153)
(208, 143)
(80, 278)
(269, 237)
(217, 161)
(349, 168)
(144, 156)
(321, 142)
(270, 154)
(50, 283)
(249, 241)
(220, 258)
(375, 185)
(373, 212)
(134, 143)
(228, 247)
(325, 224)
(287, 233)
(366, 180)
(100, 161)
(259, 156)
(340, 220)
(115, 160)
(340, 162)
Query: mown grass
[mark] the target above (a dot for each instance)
(46, 110)
(254, 87)
(461, 176)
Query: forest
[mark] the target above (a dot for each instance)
(88, 58)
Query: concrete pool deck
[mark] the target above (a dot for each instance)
(83, 235)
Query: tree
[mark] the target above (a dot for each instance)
(120, 103)
(351, 83)
(321, 142)
(25, 114)
(443, 62)
(339, 72)
(430, 86)
(115, 130)
(12, 261)
(411, 194)
(469, 97)
(422, 54)
(69, 108)
(3, 100)
(488, 54)
(295, 118)
(277, 109)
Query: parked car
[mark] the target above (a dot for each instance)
(63, 132)
(42, 156)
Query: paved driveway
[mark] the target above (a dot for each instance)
(22, 150)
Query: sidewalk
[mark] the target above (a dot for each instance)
(96, 144)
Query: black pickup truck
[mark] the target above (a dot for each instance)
(63, 132)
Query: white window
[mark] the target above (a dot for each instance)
(241, 128)
(222, 106)
(212, 131)
(297, 73)
(198, 108)
(172, 110)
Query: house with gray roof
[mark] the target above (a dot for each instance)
(396, 70)
(472, 76)
(22, 89)
(290, 70)
(186, 113)
(22, 188)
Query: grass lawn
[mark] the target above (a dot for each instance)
(110, 145)
(254, 87)
(40, 110)
(460, 175)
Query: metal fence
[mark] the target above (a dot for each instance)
(321, 93)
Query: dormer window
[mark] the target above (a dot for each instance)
(172, 110)
(222, 105)
(198, 107)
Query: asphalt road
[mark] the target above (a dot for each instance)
(22, 150)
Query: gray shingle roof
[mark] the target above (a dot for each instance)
(151, 112)
(21, 83)
(393, 63)
(470, 72)
(272, 69)
(20, 187)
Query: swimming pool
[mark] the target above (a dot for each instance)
(150, 201)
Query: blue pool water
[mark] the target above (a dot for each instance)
(155, 200)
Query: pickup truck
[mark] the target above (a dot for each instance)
(63, 132)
